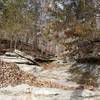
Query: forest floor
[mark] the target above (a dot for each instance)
(53, 82)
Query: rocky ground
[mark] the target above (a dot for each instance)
(52, 82)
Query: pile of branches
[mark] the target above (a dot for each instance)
(87, 66)
(83, 47)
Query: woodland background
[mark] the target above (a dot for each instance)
(46, 26)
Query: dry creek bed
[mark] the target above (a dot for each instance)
(48, 88)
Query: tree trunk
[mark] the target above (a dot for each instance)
(11, 42)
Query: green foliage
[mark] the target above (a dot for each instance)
(85, 9)
(15, 17)
(11, 15)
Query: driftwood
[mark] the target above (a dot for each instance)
(24, 55)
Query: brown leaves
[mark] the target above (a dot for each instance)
(10, 74)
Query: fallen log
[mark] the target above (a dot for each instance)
(28, 57)
(3, 51)
(43, 59)
(89, 60)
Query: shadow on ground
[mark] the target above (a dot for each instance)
(85, 73)
(77, 94)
